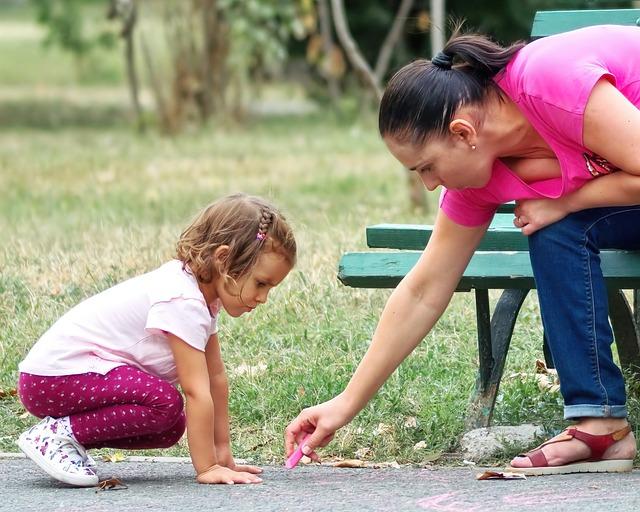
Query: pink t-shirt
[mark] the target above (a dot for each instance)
(127, 325)
(550, 80)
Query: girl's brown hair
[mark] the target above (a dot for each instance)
(248, 225)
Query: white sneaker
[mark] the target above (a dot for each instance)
(60, 455)
(89, 461)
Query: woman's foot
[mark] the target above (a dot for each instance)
(573, 450)
(57, 453)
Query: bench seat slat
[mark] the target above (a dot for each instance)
(486, 270)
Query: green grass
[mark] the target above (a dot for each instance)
(83, 209)
(86, 203)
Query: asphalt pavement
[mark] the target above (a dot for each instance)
(170, 486)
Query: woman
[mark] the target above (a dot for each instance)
(548, 125)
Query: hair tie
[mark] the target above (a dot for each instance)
(442, 60)
(261, 236)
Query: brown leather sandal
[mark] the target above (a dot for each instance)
(593, 464)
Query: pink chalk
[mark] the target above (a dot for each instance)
(296, 455)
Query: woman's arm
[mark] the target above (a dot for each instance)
(612, 131)
(411, 311)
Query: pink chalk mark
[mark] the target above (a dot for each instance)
(445, 503)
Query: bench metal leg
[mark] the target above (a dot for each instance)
(493, 344)
(636, 308)
(624, 329)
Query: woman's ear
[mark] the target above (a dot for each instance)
(463, 130)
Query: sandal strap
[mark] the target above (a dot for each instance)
(537, 458)
(598, 444)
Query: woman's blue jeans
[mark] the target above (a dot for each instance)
(565, 257)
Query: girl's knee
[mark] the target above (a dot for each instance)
(168, 405)
(170, 437)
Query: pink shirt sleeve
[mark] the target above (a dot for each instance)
(466, 207)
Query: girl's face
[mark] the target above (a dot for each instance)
(449, 161)
(252, 289)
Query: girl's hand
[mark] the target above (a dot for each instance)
(226, 459)
(321, 421)
(534, 214)
(222, 475)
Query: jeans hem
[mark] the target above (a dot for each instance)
(594, 411)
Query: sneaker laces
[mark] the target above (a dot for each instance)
(73, 449)
(89, 461)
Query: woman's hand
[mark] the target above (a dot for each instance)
(225, 458)
(321, 422)
(534, 214)
(222, 475)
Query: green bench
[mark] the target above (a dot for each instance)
(501, 262)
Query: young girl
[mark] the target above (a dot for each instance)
(103, 374)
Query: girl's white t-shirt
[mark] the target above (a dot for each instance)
(128, 325)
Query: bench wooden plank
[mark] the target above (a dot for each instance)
(546, 23)
(506, 207)
(502, 235)
(486, 270)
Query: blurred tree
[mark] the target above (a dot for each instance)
(127, 12)
(212, 43)
(66, 27)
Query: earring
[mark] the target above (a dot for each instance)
(473, 146)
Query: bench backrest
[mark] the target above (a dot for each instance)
(546, 23)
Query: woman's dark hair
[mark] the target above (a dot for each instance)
(422, 97)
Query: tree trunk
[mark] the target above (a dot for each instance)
(351, 49)
(166, 123)
(437, 25)
(127, 12)
(390, 42)
(208, 23)
(324, 16)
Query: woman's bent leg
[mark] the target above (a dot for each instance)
(573, 300)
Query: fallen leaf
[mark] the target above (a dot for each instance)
(382, 428)
(252, 371)
(349, 463)
(24, 415)
(114, 457)
(430, 457)
(500, 475)
(547, 382)
(111, 484)
(8, 392)
(389, 464)
(411, 422)
(362, 453)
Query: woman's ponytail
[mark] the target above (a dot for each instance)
(421, 99)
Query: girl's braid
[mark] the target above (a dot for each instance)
(263, 226)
